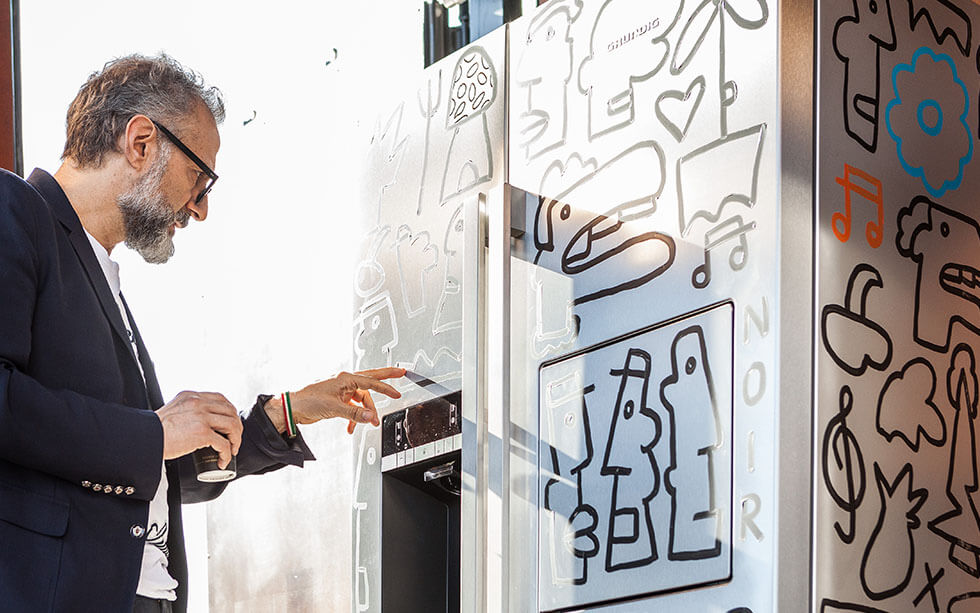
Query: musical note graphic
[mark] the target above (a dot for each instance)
(841, 223)
(732, 228)
(847, 461)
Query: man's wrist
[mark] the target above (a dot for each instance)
(273, 408)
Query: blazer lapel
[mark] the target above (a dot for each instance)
(58, 201)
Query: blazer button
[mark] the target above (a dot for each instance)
(137, 530)
(130, 490)
(108, 489)
(97, 487)
(119, 489)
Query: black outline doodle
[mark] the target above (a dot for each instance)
(581, 253)
(623, 101)
(682, 469)
(930, 588)
(936, 283)
(906, 405)
(680, 96)
(964, 40)
(461, 116)
(961, 382)
(855, 101)
(854, 315)
(625, 411)
(430, 110)
(838, 433)
(836, 606)
(571, 9)
(737, 257)
(719, 148)
(961, 598)
(587, 532)
(905, 519)
(727, 90)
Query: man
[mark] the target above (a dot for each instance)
(93, 465)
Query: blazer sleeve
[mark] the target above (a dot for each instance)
(263, 449)
(58, 432)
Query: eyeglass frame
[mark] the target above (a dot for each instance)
(190, 154)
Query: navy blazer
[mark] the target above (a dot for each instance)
(80, 448)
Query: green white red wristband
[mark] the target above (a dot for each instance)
(287, 408)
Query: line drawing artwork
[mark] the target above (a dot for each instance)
(623, 255)
(676, 109)
(960, 524)
(945, 244)
(370, 276)
(543, 69)
(387, 153)
(619, 57)
(952, 20)
(956, 600)
(858, 40)
(472, 91)
(872, 192)
(927, 119)
(688, 396)
(416, 259)
(376, 332)
(886, 567)
(930, 588)
(704, 17)
(906, 408)
(734, 162)
(835, 606)
(852, 339)
(555, 323)
(429, 109)
(572, 539)
(730, 229)
(631, 541)
(449, 308)
(847, 466)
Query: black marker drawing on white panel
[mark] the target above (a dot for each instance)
(851, 337)
(907, 409)
(472, 92)
(844, 474)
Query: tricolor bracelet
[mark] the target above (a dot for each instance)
(287, 409)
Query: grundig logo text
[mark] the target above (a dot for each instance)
(637, 33)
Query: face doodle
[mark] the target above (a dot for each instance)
(946, 246)
(543, 69)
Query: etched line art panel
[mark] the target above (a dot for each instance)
(434, 151)
(635, 476)
(898, 311)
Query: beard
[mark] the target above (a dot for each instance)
(147, 217)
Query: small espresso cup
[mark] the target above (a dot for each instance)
(206, 464)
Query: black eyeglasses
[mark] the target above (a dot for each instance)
(190, 154)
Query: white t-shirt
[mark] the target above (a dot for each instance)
(155, 579)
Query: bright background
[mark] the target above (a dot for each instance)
(257, 299)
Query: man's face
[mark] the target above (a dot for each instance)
(163, 198)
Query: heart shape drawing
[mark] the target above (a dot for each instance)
(675, 108)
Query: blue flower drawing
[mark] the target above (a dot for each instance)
(928, 121)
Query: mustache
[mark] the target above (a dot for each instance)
(182, 217)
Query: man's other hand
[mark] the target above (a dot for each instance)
(193, 420)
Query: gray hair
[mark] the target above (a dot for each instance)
(158, 87)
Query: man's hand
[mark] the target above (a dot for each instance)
(193, 420)
(348, 395)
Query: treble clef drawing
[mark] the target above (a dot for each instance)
(847, 461)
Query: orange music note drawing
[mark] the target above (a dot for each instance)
(841, 223)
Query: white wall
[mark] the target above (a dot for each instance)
(257, 299)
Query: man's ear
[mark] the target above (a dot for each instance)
(139, 141)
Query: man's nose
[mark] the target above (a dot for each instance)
(198, 210)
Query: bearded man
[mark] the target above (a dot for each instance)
(93, 464)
